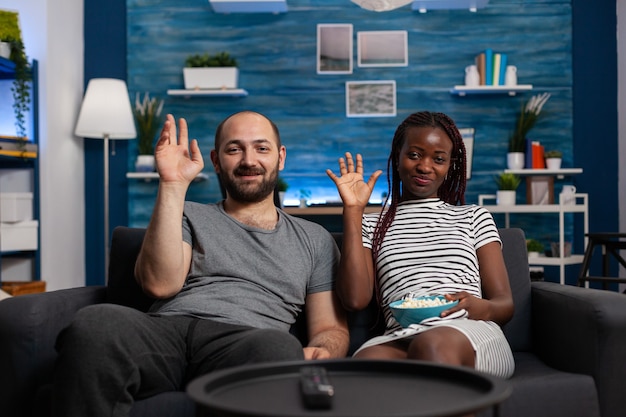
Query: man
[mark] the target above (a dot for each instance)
(229, 279)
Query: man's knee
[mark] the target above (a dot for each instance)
(267, 345)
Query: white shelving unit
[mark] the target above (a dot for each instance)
(230, 92)
(558, 173)
(463, 90)
(581, 206)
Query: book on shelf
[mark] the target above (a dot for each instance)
(539, 161)
(480, 65)
(491, 67)
(503, 64)
(528, 162)
(496, 69)
(11, 147)
(488, 66)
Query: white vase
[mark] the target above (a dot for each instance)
(505, 197)
(553, 163)
(510, 75)
(472, 78)
(281, 197)
(515, 160)
(5, 50)
(145, 163)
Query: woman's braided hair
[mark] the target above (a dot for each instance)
(452, 190)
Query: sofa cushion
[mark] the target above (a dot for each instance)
(562, 394)
(517, 330)
(122, 288)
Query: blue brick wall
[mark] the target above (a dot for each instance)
(277, 60)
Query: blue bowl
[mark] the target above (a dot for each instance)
(407, 316)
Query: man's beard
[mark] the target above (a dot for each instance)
(248, 192)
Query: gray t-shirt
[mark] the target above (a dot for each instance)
(245, 275)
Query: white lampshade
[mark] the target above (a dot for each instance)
(106, 111)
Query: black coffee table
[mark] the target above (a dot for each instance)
(362, 388)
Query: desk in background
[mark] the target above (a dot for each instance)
(328, 216)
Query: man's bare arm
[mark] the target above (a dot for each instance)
(164, 259)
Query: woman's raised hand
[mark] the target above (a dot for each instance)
(353, 189)
(177, 160)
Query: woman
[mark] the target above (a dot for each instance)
(426, 241)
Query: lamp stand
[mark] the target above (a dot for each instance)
(106, 208)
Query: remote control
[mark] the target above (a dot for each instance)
(317, 392)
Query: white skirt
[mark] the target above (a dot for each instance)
(493, 353)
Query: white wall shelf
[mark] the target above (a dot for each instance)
(559, 173)
(149, 176)
(580, 206)
(249, 6)
(463, 90)
(231, 92)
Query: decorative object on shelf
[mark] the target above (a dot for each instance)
(381, 5)
(211, 72)
(568, 195)
(510, 75)
(106, 114)
(556, 250)
(148, 119)
(282, 187)
(304, 196)
(515, 160)
(472, 5)
(526, 120)
(472, 77)
(10, 33)
(553, 159)
(507, 187)
(534, 248)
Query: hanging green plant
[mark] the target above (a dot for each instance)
(10, 32)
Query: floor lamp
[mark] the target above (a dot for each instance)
(106, 114)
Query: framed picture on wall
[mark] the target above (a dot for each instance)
(371, 98)
(383, 49)
(334, 48)
(468, 139)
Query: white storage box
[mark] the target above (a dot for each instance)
(18, 236)
(16, 207)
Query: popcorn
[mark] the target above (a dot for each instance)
(423, 302)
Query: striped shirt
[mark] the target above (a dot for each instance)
(430, 248)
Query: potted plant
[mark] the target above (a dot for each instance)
(553, 159)
(526, 120)
(304, 196)
(534, 247)
(507, 186)
(282, 187)
(148, 119)
(10, 34)
(206, 71)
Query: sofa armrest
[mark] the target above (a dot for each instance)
(29, 325)
(583, 330)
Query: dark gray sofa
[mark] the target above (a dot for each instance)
(569, 342)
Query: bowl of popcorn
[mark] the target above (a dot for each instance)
(412, 310)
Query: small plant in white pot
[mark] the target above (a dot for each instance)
(553, 159)
(282, 187)
(210, 72)
(147, 112)
(507, 187)
(534, 248)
